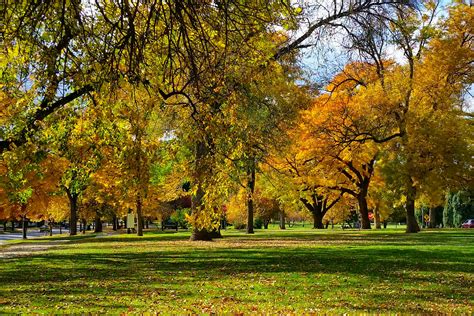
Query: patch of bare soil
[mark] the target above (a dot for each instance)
(27, 249)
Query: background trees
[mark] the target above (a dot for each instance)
(106, 86)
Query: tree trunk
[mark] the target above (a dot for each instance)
(378, 224)
(202, 234)
(282, 220)
(364, 211)
(72, 213)
(432, 217)
(98, 224)
(317, 220)
(412, 224)
(24, 226)
(5, 226)
(147, 222)
(13, 225)
(265, 223)
(84, 224)
(139, 215)
(201, 168)
(251, 190)
(50, 228)
(114, 222)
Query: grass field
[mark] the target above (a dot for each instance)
(292, 272)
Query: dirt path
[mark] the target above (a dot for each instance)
(27, 249)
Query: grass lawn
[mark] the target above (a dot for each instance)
(292, 272)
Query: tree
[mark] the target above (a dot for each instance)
(459, 207)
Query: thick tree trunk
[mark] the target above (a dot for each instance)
(432, 217)
(98, 224)
(378, 224)
(139, 216)
(364, 211)
(412, 224)
(317, 220)
(24, 226)
(251, 190)
(202, 234)
(72, 213)
(282, 220)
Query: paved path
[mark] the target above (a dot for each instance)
(31, 234)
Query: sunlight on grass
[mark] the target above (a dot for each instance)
(273, 272)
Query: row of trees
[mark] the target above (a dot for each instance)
(125, 106)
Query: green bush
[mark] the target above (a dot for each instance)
(459, 207)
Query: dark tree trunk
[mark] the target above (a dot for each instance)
(5, 226)
(282, 220)
(432, 217)
(202, 234)
(412, 224)
(72, 212)
(364, 211)
(251, 190)
(84, 224)
(317, 221)
(98, 224)
(13, 225)
(50, 228)
(315, 208)
(265, 223)
(24, 226)
(147, 222)
(114, 222)
(139, 216)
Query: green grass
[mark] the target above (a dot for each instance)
(291, 272)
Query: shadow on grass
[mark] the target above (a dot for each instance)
(109, 267)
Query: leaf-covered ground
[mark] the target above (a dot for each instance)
(277, 272)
